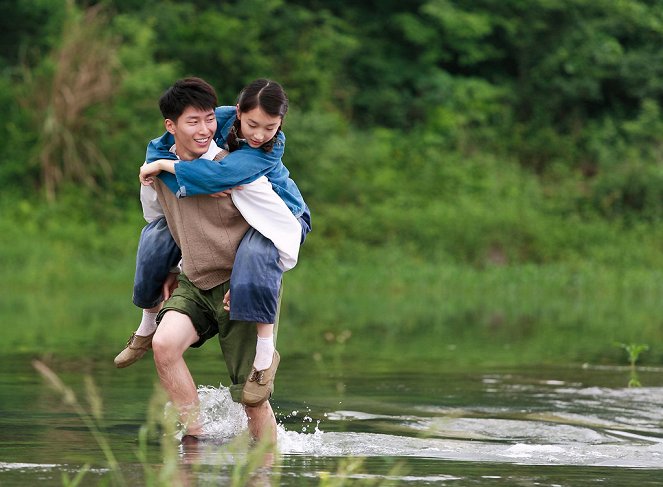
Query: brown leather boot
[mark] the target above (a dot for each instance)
(134, 350)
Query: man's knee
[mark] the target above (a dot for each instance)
(174, 335)
(165, 349)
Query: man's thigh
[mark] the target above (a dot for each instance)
(200, 307)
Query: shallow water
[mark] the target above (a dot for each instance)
(430, 426)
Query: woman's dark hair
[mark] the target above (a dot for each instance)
(265, 94)
(187, 92)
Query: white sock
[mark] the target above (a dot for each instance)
(264, 353)
(148, 324)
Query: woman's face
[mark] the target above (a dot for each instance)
(257, 127)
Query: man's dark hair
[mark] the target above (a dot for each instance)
(187, 92)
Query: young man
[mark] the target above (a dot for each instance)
(208, 231)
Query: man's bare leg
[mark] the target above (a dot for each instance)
(262, 423)
(174, 335)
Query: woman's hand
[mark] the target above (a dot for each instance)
(148, 172)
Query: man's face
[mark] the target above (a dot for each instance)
(257, 127)
(193, 132)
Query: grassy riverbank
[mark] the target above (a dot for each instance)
(68, 286)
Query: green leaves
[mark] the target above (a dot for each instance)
(570, 89)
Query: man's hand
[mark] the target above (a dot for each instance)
(226, 301)
(226, 193)
(221, 194)
(169, 285)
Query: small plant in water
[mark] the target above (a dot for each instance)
(634, 350)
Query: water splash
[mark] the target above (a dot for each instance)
(222, 418)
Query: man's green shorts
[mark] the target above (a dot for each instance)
(237, 338)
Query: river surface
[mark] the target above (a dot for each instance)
(354, 420)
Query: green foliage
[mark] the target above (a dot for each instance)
(481, 136)
(29, 29)
(20, 167)
(134, 118)
(567, 89)
(634, 350)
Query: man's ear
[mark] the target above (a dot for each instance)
(170, 126)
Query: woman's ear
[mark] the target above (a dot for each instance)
(238, 113)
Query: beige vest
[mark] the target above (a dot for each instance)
(208, 230)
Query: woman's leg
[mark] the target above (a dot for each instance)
(255, 281)
(157, 254)
(255, 286)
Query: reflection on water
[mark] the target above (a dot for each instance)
(543, 426)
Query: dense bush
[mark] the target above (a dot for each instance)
(457, 129)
